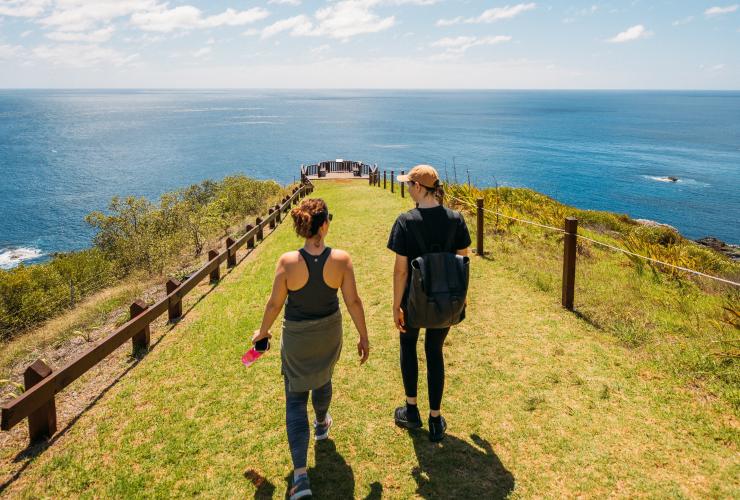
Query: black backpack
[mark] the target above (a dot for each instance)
(439, 283)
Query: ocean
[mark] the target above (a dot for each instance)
(64, 153)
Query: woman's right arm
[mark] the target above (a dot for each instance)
(275, 302)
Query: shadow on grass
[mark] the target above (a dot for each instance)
(457, 469)
(331, 476)
(263, 487)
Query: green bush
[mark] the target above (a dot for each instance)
(134, 234)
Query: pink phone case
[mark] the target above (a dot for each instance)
(251, 356)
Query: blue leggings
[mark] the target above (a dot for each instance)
(296, 419)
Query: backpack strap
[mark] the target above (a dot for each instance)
(452, 232)
(417, 235)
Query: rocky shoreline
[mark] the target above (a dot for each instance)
(728, 249)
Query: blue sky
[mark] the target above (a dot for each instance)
(370, 44)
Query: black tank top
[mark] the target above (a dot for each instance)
(316, 299)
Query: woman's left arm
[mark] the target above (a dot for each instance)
(275, 302)
(354, 306)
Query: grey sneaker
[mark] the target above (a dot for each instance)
(321, 431)
(301, 488)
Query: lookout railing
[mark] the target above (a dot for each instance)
(42, 383)
(323, 168)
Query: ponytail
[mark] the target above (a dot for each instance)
(439, 192)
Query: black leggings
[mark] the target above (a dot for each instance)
(434, 340)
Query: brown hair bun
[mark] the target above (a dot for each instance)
(306, 215)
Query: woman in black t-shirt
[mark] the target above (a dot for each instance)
(435, 223)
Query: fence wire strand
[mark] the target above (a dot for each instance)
(544, 226)
(606, 245)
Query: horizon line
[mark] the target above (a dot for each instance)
(455, 89)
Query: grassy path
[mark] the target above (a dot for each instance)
(538, 403)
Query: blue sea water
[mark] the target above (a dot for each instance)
(64, 153)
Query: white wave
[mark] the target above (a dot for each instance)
(391, 146)
(11, 257)
(661, 179)
(668, 179)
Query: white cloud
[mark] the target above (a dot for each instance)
(457, 46)
(349, 18)
(251, 32)
(202, 52)
(718, 67)
(450, 22)
(163, 19)
(631, 34)
(718, 11)
(9, 51)
(491, 15)
(81, 15)
(23, 8)
(285, 2)
(296, 25)
(681, 22)
(342, 20)
(82, 55)
(321, 49)
(98, 36)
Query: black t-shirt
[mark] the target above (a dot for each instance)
(435, 225)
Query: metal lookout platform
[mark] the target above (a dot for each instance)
(338, 169)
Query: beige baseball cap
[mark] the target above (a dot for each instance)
(426, 175)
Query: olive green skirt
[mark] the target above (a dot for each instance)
(309, 350)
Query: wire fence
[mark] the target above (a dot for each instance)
(602, 244)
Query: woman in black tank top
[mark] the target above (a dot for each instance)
(311, 338)
(316, 299)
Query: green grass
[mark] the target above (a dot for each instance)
(538, 402)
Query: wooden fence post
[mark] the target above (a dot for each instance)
(216, 273)
(393, 180)
(250, 241)
(569, 261)
(230, 255)
(384, 178)
(42, 423)
(140, 340)
(480, 230)
(270, 212)
(278, 214)
(174, 308)
(403, 185)
(260, 233)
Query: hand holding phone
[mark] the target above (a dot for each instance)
(262, 345)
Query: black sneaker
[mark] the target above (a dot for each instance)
(407, 419)
(437, 429)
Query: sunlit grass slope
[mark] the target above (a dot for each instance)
(538, 402)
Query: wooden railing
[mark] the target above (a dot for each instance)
(42, 383)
